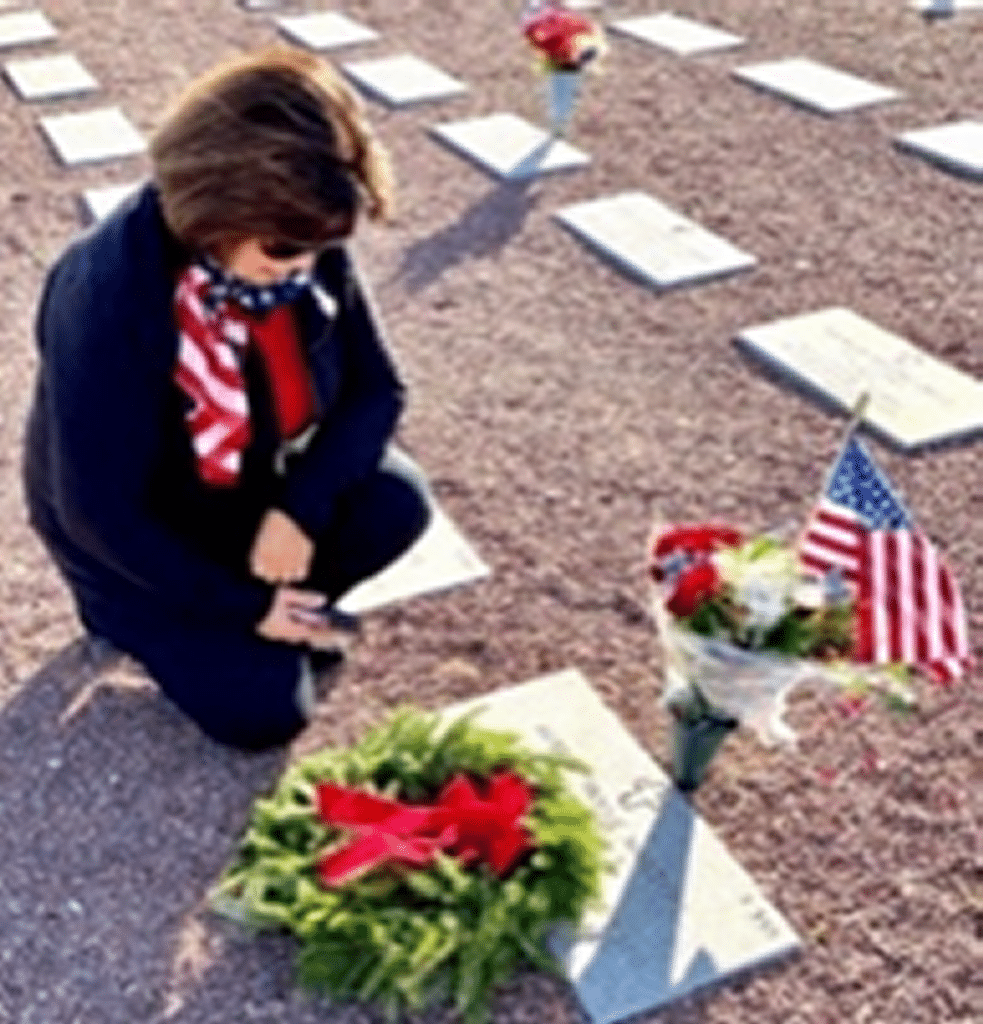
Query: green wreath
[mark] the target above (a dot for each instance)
(407, 937)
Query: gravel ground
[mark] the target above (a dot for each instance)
(558, 406)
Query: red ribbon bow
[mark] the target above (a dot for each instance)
(462, 823)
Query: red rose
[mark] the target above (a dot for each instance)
(564, 38)
(697, 538)
(693, 587)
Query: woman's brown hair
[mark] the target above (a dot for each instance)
(272, 145)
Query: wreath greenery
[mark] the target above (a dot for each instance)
(407, 938)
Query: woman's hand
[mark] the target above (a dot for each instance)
(281, 551)
(297, 617)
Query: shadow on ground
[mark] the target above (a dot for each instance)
(482, 230)
(116, 815)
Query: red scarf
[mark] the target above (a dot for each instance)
(213, 338)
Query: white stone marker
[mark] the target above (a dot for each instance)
(403, 79)
(677, 911)
(19, 28)
(915, 399)
(682, 36)
(325, 31)
(509, 146)
(100, 202)
(814, 85)
(652, 241)
(46, 78)
(102, 134)
(957, 146)
(440, 559)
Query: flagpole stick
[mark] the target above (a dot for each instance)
(857, 414)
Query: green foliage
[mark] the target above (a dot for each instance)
(407, 939)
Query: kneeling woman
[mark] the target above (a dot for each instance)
(208, 454)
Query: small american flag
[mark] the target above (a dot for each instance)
(908, 604)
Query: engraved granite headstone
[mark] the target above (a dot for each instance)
(324, 30)
(815, 85)
(47, 78)
(92, 135)
(21, 28)
(915, 398)
(652, 241)
(957, 146)
(677, 911)
(403, 79)
(440, 559)
(509, 146)
(683, 36)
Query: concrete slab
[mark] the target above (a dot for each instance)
(100, 202)
(21, 28)
(677, 912)
(915, 399)
(442, 558)
(652, 241)
(683, 36)
(509, 146)
(814, 85)
(326, 30)
(403, 79)
(92, 135)
(46, 78)
(957, 146)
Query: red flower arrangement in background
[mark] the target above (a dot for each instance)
(565, 40)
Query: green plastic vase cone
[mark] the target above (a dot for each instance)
(694, 745)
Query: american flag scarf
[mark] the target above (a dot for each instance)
(909, 608)
(213, 328)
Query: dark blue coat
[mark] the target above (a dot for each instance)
(109, 473)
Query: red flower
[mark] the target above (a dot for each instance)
(565, 39)
(697, 538)
(693, 587)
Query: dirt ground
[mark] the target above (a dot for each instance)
(558, 406)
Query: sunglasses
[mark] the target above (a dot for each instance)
(285, 250)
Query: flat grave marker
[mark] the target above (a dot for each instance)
(441, 558)
(677, 911)
(21, 28)
(815, 85)
(403, 79)
(326, 30)
(652, 241)
(509, 146)
(46, 78)
(957, 146)
(683, 36)
(93, 135)
(915, 398)
(100, 202)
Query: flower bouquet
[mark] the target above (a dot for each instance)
(565, 43)
(423, 865)
(740, 626)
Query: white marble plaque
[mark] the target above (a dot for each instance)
(325, 30)
(440, 559)
(19, 28)
(46, 78)
(92, 135)
(682, 36)
(652, 241)
(509, 146)
(100, 202)
(677, 911)
(814, 85)
(403, 79)
(915, 399)
(957, 146)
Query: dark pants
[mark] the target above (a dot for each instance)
(240, 688)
